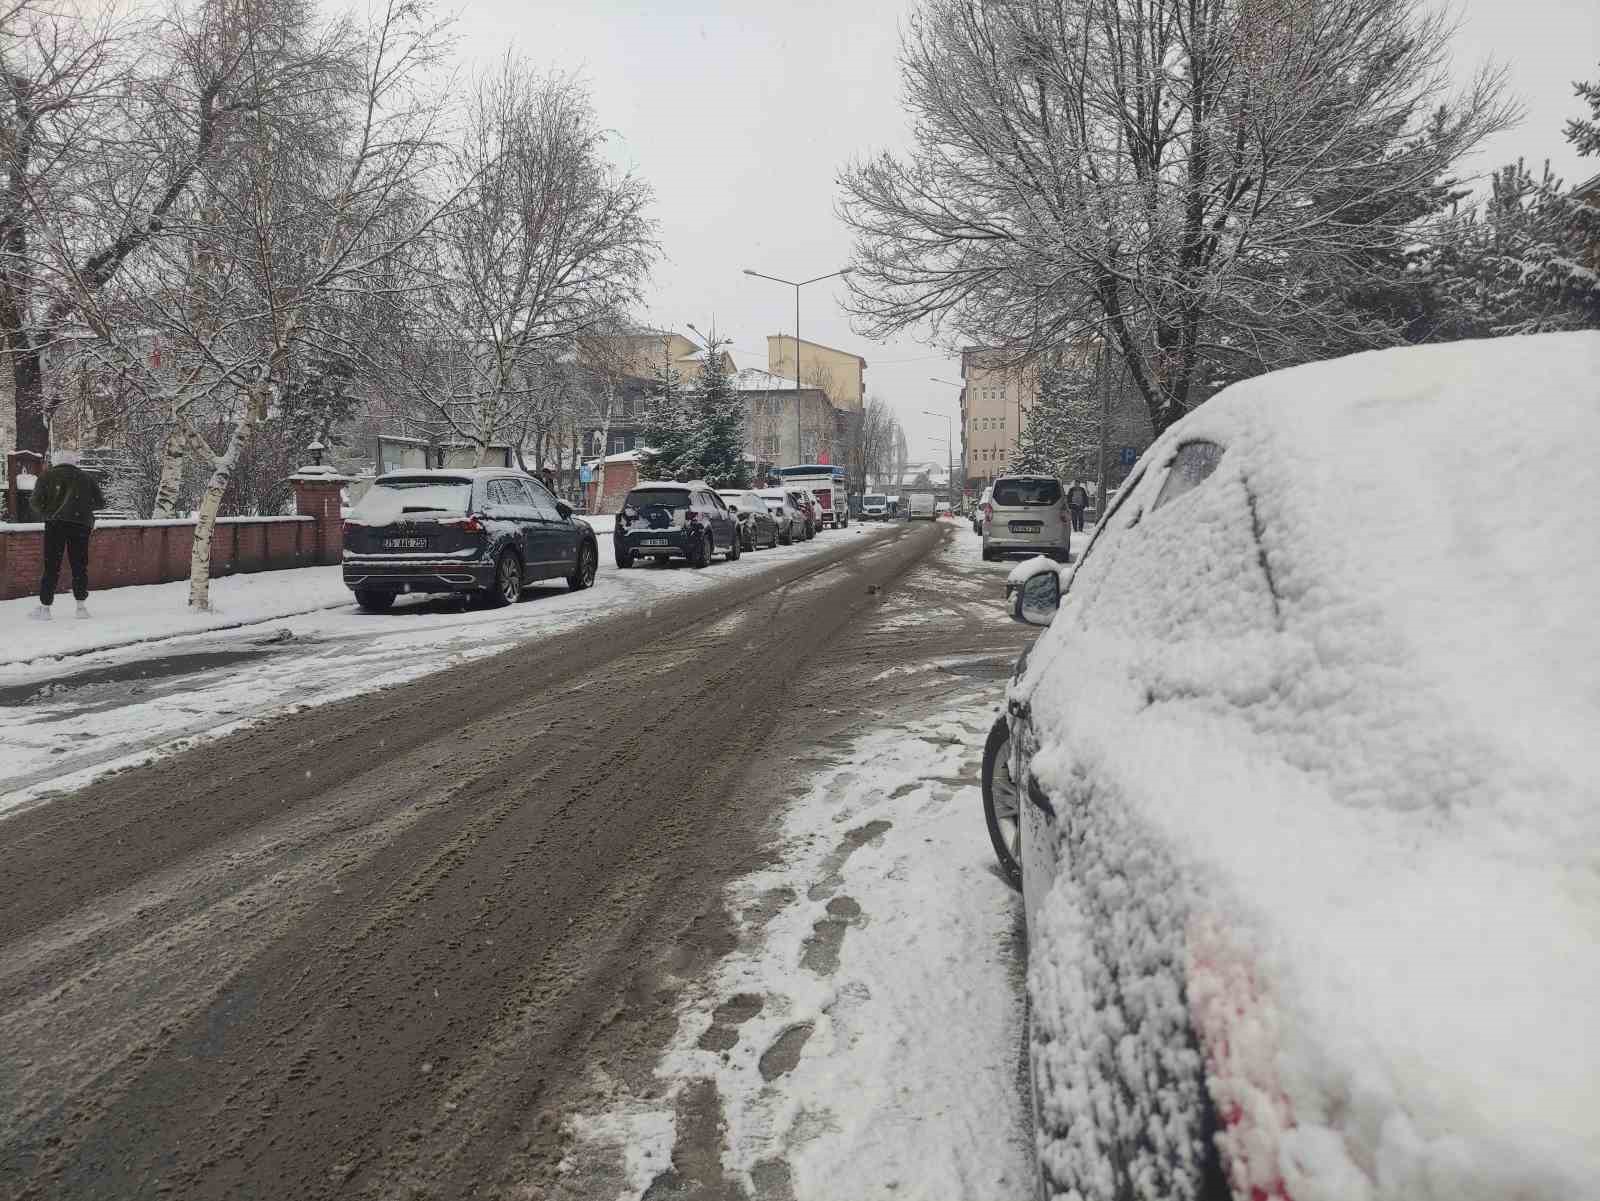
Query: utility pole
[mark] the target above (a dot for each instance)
(1105, 429)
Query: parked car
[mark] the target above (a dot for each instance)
(1028, 515)
(756, 526)
(1308, 794)
(791, 522)
(809, 509)
(667, 520)
(874, 506)
(981, 510)
(486, 531)
(921, 506)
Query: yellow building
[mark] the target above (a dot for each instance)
(842, 375)
(645, 353)
(995, 399)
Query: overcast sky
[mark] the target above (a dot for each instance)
(740, 113)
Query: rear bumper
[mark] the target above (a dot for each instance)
(418, 575)
(671, 543)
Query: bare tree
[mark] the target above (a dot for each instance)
(294, 221)
(606, 353)
(878, 438)
(1180, 176)
(547, 242)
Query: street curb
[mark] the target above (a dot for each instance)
(168, 637)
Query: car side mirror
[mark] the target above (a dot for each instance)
(564, 509)
(1035, 600)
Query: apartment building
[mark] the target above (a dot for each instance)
(995, 399)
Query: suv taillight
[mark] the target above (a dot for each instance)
(987, 510)
(472, 525)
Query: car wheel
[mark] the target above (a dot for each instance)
(1000, 796)
(988, 555)
(624, 558)
(786, 538)
(374, 601)
(735, 549)
(507, 588)
(583, 577)
(701, 554)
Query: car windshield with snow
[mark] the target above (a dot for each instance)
(482, 532)
(1304, 795)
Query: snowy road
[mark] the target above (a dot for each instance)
(447, 938)
(64, 721)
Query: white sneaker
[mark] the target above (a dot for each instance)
(83, 611)
(40, 613)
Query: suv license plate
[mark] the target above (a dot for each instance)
(405, 544)
(655, 542)
(1025, 527)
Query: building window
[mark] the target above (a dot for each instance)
(1002, 393)
(1002, 423)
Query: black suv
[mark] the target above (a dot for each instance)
(667, 521)
(485, 531)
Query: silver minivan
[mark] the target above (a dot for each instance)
(1027, 514)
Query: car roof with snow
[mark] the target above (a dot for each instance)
(1345, 674)
(445, 474)
(690, 486)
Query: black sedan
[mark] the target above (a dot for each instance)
(757, 527)
(486, 531)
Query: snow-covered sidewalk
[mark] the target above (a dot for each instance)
(127, 616)
(864, 1042)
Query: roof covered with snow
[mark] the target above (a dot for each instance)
(757, 379)
(1336, 707)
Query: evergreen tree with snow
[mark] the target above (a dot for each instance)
(666, 433)
(1525, 262)
(718, 418)
(1060, 435)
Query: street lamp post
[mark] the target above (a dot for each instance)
(797, 285)
(949, 457)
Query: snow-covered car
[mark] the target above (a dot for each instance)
(790, 521)
(756, 525)
(488, 531)
(810, 511)
(1309, 787)
(665, 519)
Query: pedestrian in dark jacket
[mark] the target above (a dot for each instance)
(1077, 501)
(66, 497)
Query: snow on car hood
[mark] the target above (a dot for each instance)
(1351, 685)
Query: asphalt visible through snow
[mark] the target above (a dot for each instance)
(376, 948)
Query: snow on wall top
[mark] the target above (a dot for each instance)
(1352, 682)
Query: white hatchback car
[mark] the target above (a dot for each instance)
(1027, 514)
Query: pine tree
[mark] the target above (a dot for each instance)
(718, 429)
(666, 431)
(1061, 434)
(1526, 261)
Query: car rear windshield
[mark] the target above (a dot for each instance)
(667, 498)
(389, 500)
(1023, 492)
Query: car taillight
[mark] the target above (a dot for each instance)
(472, 525)
(988, 511)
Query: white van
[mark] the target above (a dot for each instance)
(922, 505)
(1027, 515)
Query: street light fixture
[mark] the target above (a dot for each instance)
(797, 285)
(950, 383)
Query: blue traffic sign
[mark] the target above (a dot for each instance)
(1130, 456)
(584, 474)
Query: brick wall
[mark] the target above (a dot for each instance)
(157, 552)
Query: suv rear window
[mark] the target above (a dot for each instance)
(1021, 493)
(667, 498)
(389, 500)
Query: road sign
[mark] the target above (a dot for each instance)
(1130, 456)
(584, 474)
